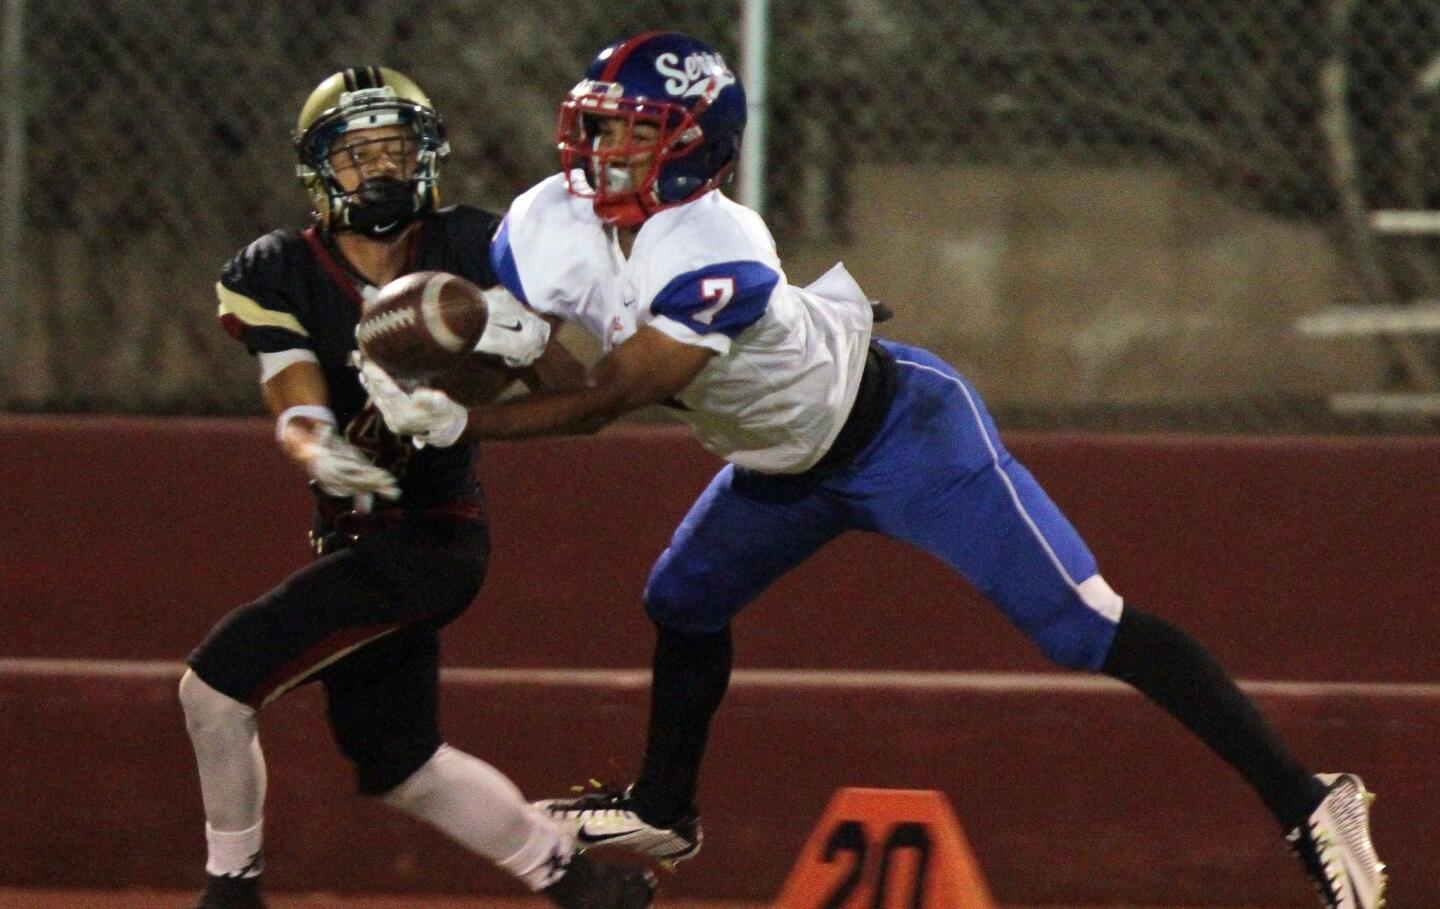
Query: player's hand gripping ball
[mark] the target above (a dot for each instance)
(422, 325)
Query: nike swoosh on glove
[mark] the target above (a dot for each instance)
(430, 417)
(512, 332)
(342, 470)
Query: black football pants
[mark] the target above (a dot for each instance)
(365, 622)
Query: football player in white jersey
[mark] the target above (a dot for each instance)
(826, 429)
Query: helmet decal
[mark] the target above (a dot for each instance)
(701, 75)
(362, 77)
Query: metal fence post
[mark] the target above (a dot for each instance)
(12, 180)
(754, 71)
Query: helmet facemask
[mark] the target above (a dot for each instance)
(599, 165)
(381, 206)
(672, 114)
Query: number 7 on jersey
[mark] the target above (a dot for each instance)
(719, 290)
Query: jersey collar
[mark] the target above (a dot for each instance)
(345, 278)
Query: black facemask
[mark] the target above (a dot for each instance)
(386, 205)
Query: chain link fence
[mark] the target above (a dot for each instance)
(157, 143)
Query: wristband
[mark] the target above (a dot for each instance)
(317, 412)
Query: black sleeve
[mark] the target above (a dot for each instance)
(259, 296)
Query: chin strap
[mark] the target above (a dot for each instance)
(386, 206)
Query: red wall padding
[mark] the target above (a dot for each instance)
(1080, 799)
(1293, 558)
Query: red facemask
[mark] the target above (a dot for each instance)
(604, 175)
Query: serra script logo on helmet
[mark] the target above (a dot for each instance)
(690, 110)
(370, 98)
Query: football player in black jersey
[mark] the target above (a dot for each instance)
(400, 535)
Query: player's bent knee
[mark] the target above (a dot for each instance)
(207, 709)
(672, 601)
(685, 615)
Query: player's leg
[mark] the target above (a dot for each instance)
(383, 707)
(743, 532)
(224, 734)
(255, 654)
(986, 516)
(383, 698)
(982, 512)
(383, 702)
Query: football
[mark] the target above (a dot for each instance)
(422, 325)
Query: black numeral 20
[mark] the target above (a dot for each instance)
(851, 836)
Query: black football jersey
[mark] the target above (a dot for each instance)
(291, 290)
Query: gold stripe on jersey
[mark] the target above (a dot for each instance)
(255, 315)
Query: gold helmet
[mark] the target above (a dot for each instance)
(363, 98)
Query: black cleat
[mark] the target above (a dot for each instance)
(231, 893)
(588, 884)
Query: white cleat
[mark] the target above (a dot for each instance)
(1334, 845)
(608, 818)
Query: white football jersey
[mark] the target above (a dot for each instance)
(788, 359)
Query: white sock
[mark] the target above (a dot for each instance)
(234, 854)
(478, 807)
(232, 774)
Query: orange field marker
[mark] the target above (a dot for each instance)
(886, 849)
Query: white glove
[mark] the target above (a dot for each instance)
(512, 332)
(427, 415)
(341, 470)
(389, 398)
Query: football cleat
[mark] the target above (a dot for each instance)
(588, 884)
(1334, 846)
(231, 893)
(607, 818)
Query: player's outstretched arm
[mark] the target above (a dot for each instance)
(556, 369)
(478, 380)
(648, 368)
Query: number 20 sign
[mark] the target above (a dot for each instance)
(886, 849)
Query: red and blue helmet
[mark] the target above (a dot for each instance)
(679, 89)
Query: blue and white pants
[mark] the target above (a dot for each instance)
(936, 475)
